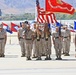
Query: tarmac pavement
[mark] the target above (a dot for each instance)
(14, 64)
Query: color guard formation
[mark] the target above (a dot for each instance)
(37, 42)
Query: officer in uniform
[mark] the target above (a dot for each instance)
(21, 39)
(3, 39)
(57, 41)
(66, 41)
(34, 42)
(42, 39)
(75, 43)
(47, 42)
(63, 30)
(29, 42)
(38, 42)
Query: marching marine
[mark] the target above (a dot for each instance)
(34, 42)
(66, 41)
(47, 34)
(21, 39)
(28, 36)
(42, 38)
(38, 42)
(57, 41)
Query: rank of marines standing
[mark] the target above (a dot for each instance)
(37, 42)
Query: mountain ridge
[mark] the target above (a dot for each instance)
(23, 6)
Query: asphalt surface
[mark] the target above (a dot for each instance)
(14, 64)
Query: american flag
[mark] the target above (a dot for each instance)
(44, 16)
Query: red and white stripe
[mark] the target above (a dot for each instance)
(44, 16)
(50, 18)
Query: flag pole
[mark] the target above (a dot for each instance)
(35, 13)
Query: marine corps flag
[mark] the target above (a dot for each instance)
(59, 6)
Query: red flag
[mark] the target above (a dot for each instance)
(44, 16)
(14, 27)
(59, 6)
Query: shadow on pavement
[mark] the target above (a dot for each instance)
(69, 60)
(11, 56)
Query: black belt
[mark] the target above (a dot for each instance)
(56, 37)
(1, 38)
(65, 37)
(20, 37)
(28, 39)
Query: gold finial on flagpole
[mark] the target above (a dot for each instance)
(59, 1)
